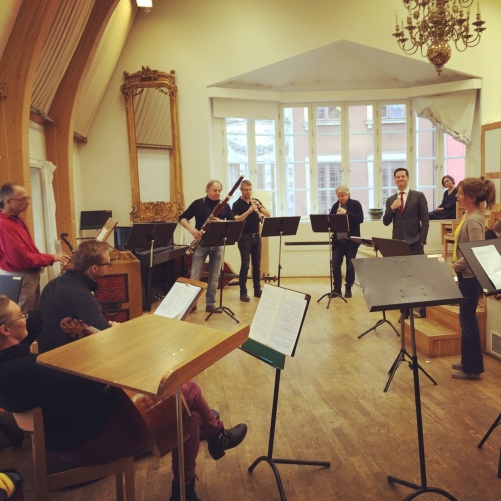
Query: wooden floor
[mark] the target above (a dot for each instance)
(332, 407)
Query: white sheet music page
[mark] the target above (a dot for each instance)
(490, 260)
(178, 300)
(278, 318)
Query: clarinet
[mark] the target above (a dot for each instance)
(217, 209)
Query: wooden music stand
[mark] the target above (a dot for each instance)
(170, 353)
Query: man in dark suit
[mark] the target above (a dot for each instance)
(342, 246)
(408, 211)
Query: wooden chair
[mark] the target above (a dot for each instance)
(66, 475)
(449, 238)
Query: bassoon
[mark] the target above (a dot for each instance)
(217, 209)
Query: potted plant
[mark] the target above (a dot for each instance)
(376, 214)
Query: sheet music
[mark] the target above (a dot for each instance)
(178, 300)
(490, 260)
(278, 318)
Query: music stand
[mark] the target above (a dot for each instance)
(10, 286)
(322, 223)
(489, 289)
(222, 233)
(150, 236)
(395, 248)
(403, 283)
(388, 248)
(280, 226)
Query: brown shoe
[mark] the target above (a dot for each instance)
(464, 375)
(457, 366)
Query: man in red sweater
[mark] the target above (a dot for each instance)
(18, 253)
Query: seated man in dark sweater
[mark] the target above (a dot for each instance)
(86, 422)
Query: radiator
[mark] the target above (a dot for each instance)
(494, 343)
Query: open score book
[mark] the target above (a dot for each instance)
(180, 299)
(279, 318)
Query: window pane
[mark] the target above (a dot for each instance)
(266, 162)
(393, 145)
(328, 133)
(297, 168)
(361, 151)
(454, 158)
(426, 160)
(237, 149)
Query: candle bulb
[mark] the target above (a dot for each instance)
(396, 18)
(478, 7)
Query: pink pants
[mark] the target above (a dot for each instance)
(122, 438)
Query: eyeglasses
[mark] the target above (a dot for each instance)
(104, 264)
(21, 199)
(23, 316)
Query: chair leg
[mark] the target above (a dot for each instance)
(130, 493)
(119, 486)
(499, 466)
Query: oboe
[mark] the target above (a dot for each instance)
(217, 209)
(256, 210)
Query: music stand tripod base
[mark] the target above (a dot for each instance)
(406, 282)
(221, 234)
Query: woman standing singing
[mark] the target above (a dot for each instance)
(472, 193)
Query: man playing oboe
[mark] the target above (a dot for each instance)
(201, 209)
(251, 211)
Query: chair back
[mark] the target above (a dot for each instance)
(68, 474)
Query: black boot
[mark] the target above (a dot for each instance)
(347, 292)
(226, 439)
(190, 492)
(336, 291)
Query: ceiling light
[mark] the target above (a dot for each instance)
(432, 24)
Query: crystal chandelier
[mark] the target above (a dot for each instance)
(432, 24)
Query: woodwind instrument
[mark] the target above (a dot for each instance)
(217, 209)
(256, 210)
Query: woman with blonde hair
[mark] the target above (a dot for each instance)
(472, 194)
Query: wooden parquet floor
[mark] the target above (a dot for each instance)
(332, 407)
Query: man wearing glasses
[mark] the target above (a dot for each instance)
(18, 253)
(72, 295)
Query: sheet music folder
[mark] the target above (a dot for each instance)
(277, 324)
(392, 283)
(471, 259)
(181, 299)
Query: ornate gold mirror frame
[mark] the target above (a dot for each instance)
(134, 85)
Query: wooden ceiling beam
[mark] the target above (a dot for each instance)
(59, 135)
(17, 73)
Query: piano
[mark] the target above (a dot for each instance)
(161, 272)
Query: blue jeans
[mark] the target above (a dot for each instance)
(250, 248)
(215, 259)
(471, 349)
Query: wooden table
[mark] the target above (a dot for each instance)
(149, 354)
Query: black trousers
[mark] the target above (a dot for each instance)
(343, 249)
(250, 249)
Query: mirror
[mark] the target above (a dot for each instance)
(154, 155)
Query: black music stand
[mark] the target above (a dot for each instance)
(395, 248)
(489, 289)
(222, 233)
(388, 248)
(280, 226)
(403, 283)
(150, 236)
(330, 223)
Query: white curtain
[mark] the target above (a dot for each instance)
(49, 216)
(454, 113)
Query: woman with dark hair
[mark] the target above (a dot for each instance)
(447, 209)
(472, 193)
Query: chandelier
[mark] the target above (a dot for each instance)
(432, 24)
